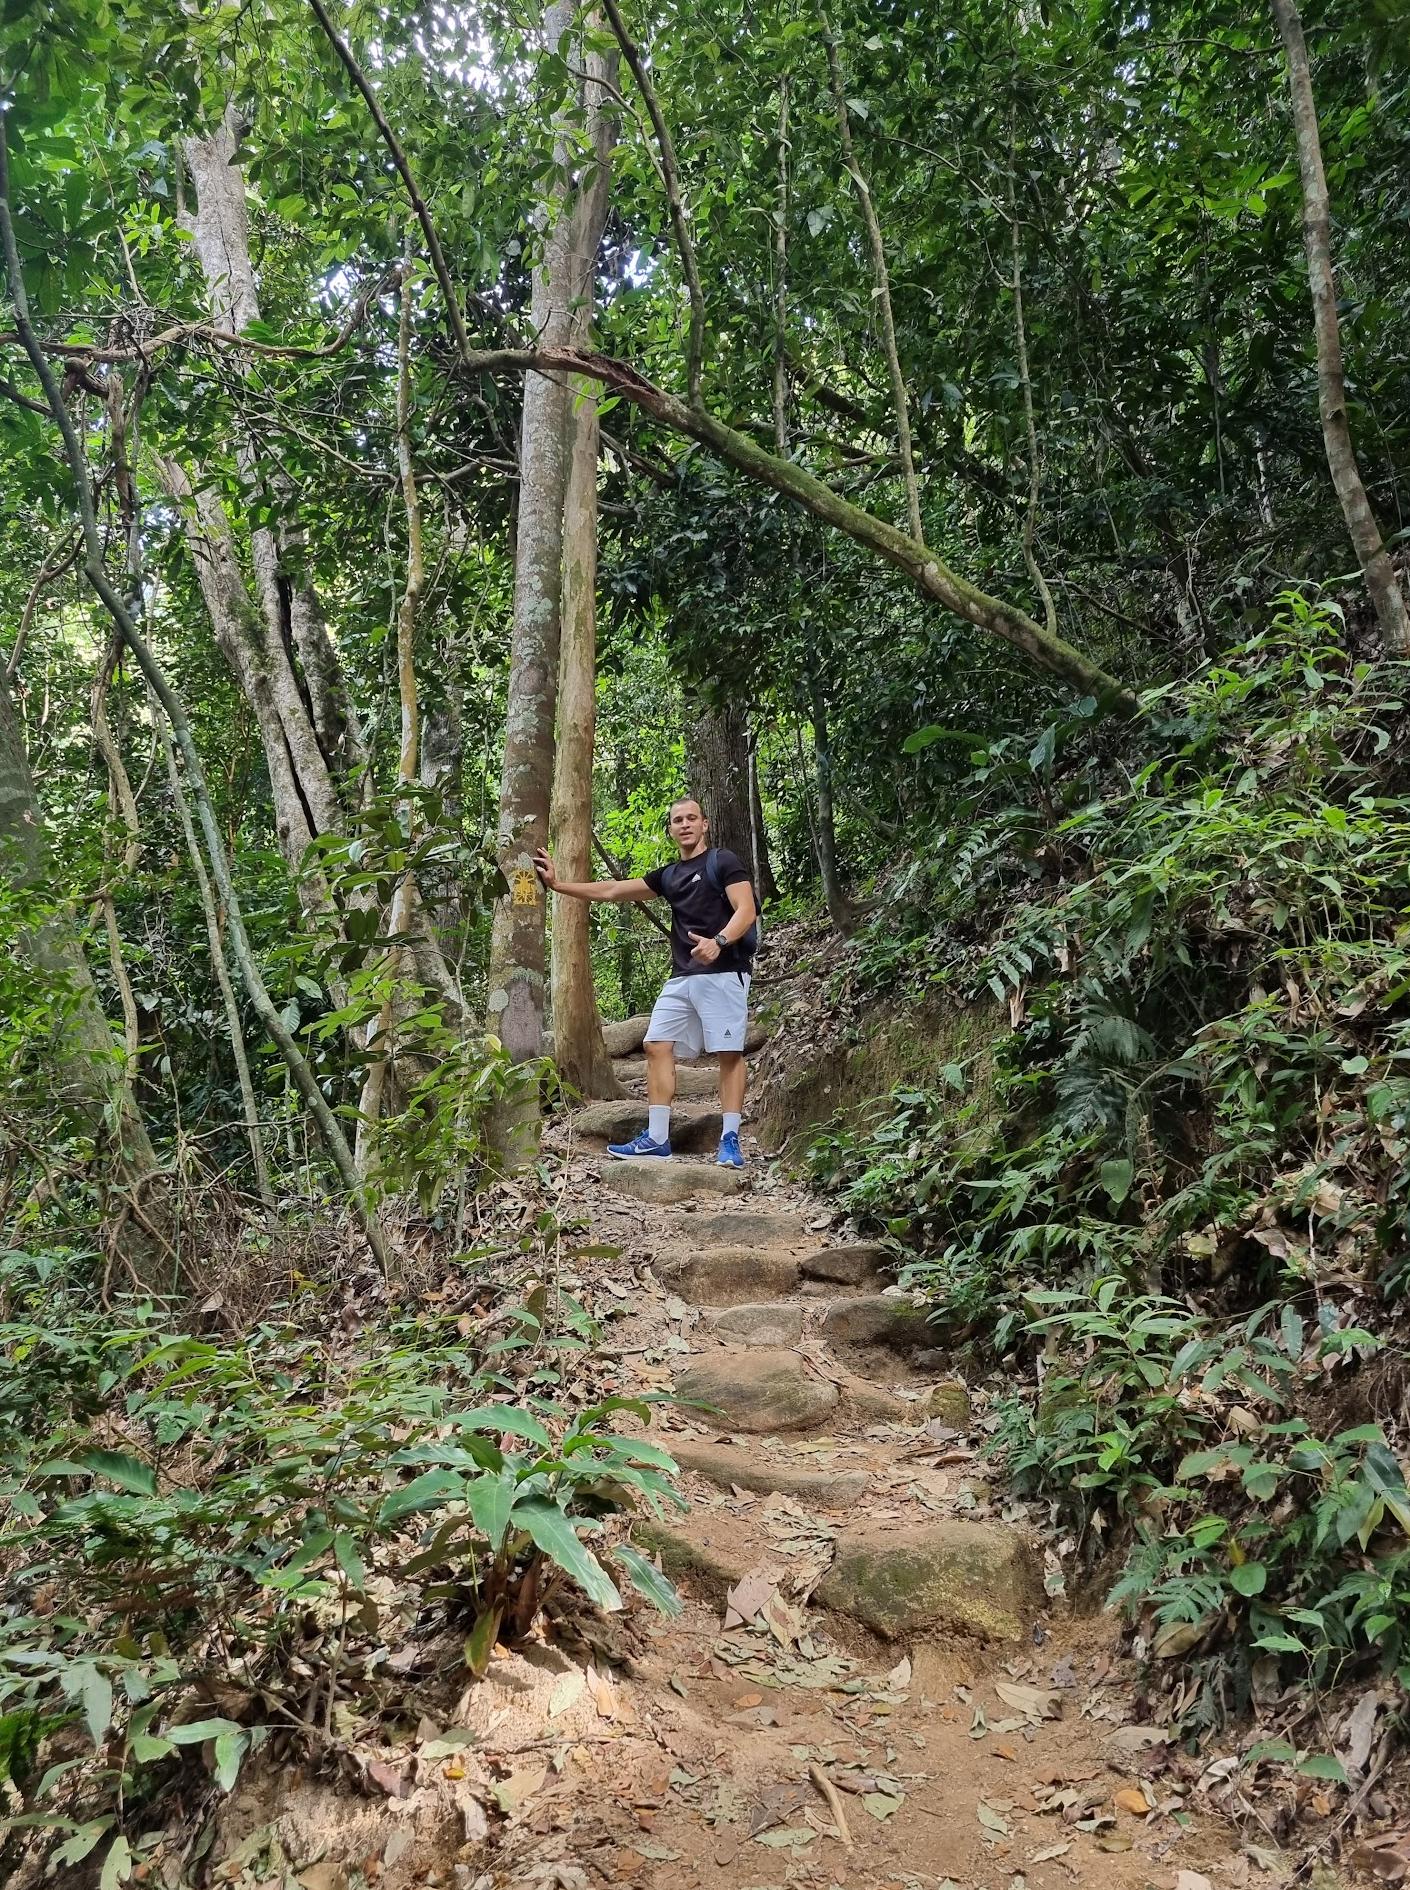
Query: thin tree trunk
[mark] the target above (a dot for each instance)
(400, 920)
(1375, 561)
(297, 1064)
(248, 1103)
(1020, 335)
(839, 907)
(761, 866)
(883, 290)
(578, 1047)
(517, 955)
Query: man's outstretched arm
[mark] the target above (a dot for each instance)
(615, 892)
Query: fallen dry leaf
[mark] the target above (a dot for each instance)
(1131, 1798)
(519, 1787)
(1036, 1703)
(1192, 1880)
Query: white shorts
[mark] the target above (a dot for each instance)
(707, 1012)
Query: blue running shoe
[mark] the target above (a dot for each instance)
(730, 1155)
(639, 1145)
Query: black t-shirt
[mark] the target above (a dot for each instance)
(697, 907)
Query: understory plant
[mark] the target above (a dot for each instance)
(212, 1542)
(1174, 1184)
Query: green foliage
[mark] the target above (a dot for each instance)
(314, 1500)
(1200, 946)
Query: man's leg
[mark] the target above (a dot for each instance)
(733, 1076)
(660, 1089)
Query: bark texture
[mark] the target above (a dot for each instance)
(573, 229)
(717, 769)
(1377, 568)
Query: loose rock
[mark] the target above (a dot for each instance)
(950, 1403)
(844, 1266)
(977, 1578)
(759, 1391)
(759, 1324)
(667, 1182)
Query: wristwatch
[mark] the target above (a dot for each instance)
(721, 941)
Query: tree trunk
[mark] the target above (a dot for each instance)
(825, 838)
(760, 865)
(579, 1051)
(717, 766)
(562, 277)
(88, 1059)
(1375, 561)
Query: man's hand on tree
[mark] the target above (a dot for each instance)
(543, 866)
(704, 951)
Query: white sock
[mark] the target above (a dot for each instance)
(733, 1118)
(658, 1121)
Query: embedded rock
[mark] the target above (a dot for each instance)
(844, 1266)
(750, 1229)
(731, 1276)
(693, 1131)
(769, 1323)
(626, 1038)
(666, 1183)
(877, 1319)
(970, 1577)
(732, 1468)
(759, 1391)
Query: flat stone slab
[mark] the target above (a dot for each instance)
(877, 1319)
(974, 1578)
(844, 1266)
(733, 1468)
(767, 1323)
(749, 1228)
(626, 1038)
(731, 1276)
(693, 1131)
(667, 1183)
(759, 1391)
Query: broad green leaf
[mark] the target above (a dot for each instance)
(491, 1499)
(120, 1467)
(553, 1532)
(433, 1490)
(1249, 1578)
(648, 1579)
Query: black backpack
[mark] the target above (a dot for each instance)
(748, 943)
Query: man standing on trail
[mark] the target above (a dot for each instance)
(704, 1003)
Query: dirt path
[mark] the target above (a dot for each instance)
(867, 1684)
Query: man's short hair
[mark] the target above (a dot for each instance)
(681, 800)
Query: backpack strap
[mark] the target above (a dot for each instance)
(712, 872)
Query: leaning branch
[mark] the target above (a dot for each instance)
(929, 572)
(96, 572)
(675, 202)
(1030, 520)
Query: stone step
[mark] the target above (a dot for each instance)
(878, 1319)
(667, 1183)
(769, 1322)
(694, 1082)
(846, 1266)
(761, 1392)
(732, 1468)
(694, 1131)
(729, 1276)
(628, 1038)
(751, 1227)
(905, 1582)
(943, 1576)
